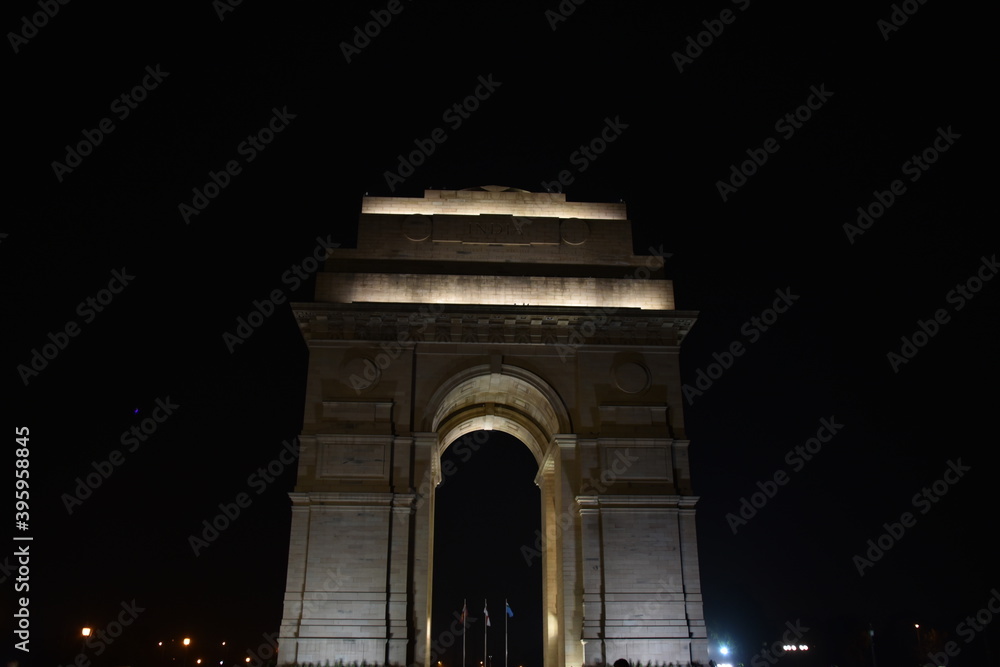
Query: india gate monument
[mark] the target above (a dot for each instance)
(494, 308)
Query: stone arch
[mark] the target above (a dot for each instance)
(370, 451)
(518, 402)
(510, 399)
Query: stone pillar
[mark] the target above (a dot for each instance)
(295, 579)
(344, 594)
(426, 477)
(694, 608)
(648, 615)
(593, 580)
(552, 648)
(568, 545)
(397, 621)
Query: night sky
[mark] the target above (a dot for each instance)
(880, 98)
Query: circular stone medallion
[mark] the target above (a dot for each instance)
(574, 232)
(361, 374)
(631, 377)
(417, 227)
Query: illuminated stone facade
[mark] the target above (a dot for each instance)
(494, 308)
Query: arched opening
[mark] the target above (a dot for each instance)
(513, 401)
(487, 550)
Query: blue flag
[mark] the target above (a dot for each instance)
(510, 612)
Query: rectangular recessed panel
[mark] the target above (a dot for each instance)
(353, 460)
(637, 462)
(633, 415)
(495, 229)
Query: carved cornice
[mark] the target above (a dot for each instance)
(628, 502)
(531, 325)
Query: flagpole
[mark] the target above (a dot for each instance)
(506, 617)
(485, 630)
(464, 623)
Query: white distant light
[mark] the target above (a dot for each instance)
(803, 647)
(724, 650)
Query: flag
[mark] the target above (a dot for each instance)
(510, 612)
(487, 616)
(465, 613)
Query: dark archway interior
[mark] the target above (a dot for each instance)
(486, 547)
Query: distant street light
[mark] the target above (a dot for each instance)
(84, 632)
(186, 641)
